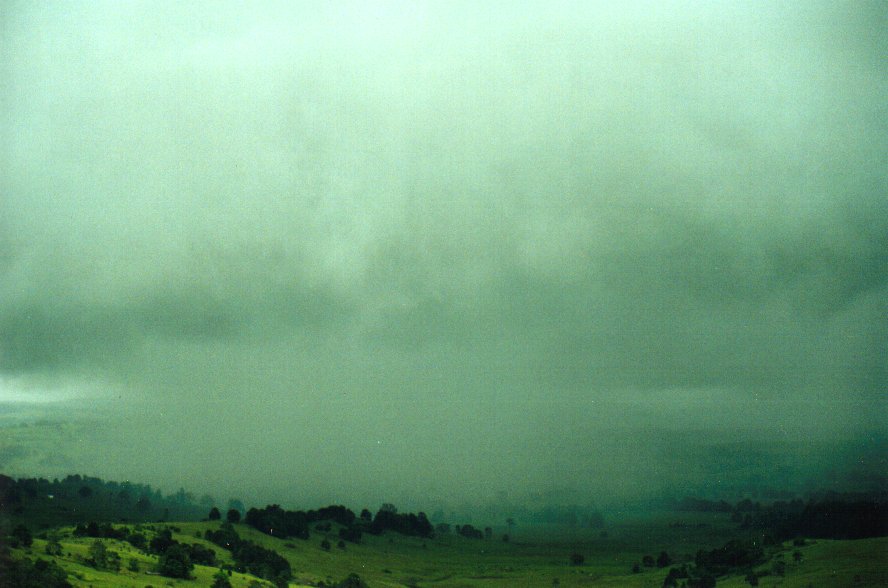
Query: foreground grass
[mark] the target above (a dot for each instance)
(535, 557)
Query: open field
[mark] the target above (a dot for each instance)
(538, 556)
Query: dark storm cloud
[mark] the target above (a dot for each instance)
(436, 228)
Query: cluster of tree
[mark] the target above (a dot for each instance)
(276, 521)
(648, 561)
(469, 531)
(232, 516)
(175, 559)
(689, 577)
(824, 520)
(732, 556)
(76, 498)
(828, 516)
(101, 531)
(690, 504)
(25, 573)
(249, 557)
(571, 515)
(21, 537)
(389, 519)
(102, 558)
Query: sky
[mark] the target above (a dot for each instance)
(423, 252)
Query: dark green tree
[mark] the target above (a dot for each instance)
(220, 580)
(23, 535)
(214, 515)
(233, 515)
(174, 562)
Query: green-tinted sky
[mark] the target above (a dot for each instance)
(430, 251)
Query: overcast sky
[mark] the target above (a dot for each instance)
(436, 251)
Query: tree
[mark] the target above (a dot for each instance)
(663, 560)
(175, 563)
(22, 533)
(352, 581)
(237, 505)
(647, 561)
(101, 558)
(577, 559)
(325, 545)
(53, 547)
(214, 515)
(233, 515)
(220, 580)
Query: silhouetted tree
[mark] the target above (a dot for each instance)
(233, 515)
(175, 562)
(220, 580)
(23, 535)
(577, 559)
(214, 515)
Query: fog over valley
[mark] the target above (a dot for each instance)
(440, 254)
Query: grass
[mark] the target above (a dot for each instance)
(535, 557)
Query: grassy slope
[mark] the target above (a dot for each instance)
(451, 562)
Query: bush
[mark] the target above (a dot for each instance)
(577, 559)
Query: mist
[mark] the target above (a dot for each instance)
(441, 253)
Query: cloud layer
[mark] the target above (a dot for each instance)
(433, 234)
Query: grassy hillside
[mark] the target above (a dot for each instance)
(536, 557)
